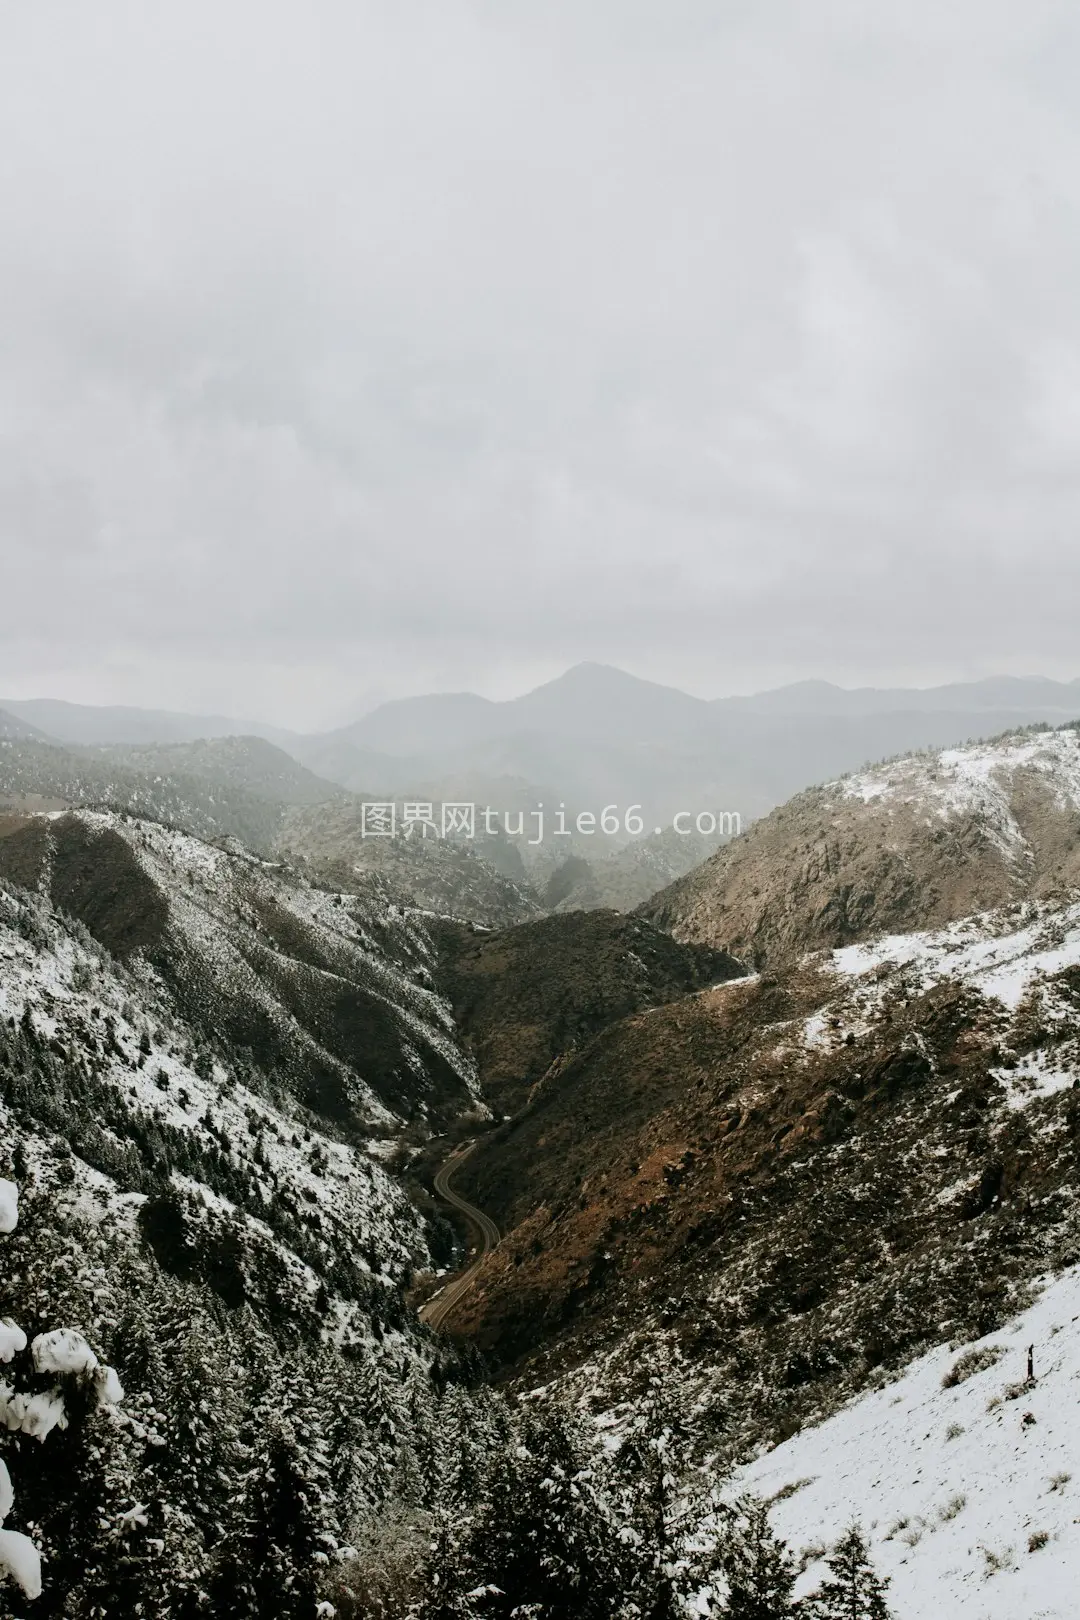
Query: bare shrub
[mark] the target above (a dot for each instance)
(972, 1362)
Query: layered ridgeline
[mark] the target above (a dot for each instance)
(916, 842)
(249, 790)
(330, 994)
(736, 1207)
(230, 787)
(598, 735)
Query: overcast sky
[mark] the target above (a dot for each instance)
(354, 348)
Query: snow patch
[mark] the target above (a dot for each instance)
(9, 1205)
(966, 1492)
(20, 1562)
(12, 1339)
(63, 1351)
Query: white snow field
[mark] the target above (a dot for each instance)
(969, 1494)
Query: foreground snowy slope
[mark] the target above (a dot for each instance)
(965, 1476)
(196, 1205)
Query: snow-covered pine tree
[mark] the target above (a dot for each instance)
(267, 1571)
(759, 1568)
(853, 1590)
(451, 1578)
(547, 1542)
(20, 1562)
(650, 1464)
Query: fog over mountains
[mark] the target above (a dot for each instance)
(597, 735)
(92, 725)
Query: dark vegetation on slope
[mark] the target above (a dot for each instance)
(527, 995)
(73, 777)
(250, 765)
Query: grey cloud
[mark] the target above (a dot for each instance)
(355, 345)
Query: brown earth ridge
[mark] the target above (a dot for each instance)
(914, 843)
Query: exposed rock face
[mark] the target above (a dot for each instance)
(911, 844)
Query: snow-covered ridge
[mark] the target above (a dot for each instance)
(988, 951)
(317, 968)
(207, 887)
(1007, 956)
(968, 1489)
(977, 779)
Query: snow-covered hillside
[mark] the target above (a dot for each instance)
(911, 843)
(844, 1176)
(239, 1258)
(114, 1030)
(330, 994)
(981, 780)
(1018, 959)
(963, 1471)
(965, 1476)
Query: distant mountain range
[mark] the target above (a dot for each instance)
(89, 725)
(597, 735)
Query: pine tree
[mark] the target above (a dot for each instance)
(268, 1573)
(854, 1590)
(451, 1579)
(664, 1576)
(759, 1569)
(547, 1543)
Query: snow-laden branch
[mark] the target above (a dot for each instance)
(65, 1353)
(20, 1560)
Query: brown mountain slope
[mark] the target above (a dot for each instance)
(789, 1182)
(911, 844)
(529, 994)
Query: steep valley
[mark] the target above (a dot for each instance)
(734, 1202)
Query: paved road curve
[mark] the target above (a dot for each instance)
(435, 1312)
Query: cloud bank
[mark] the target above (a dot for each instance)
(368, 347)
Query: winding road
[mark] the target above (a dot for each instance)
(435, 1312)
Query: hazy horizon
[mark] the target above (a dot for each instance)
(365, 706)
